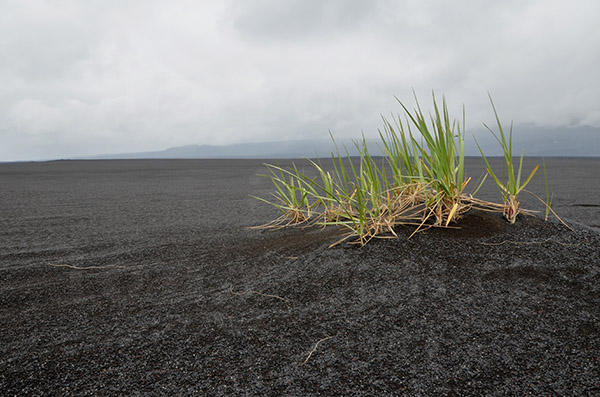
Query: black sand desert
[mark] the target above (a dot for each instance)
(142, 278)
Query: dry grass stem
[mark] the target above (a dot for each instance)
(549, 209)
(315, 347)
(257, 293)
(87, 267)
(548, 240)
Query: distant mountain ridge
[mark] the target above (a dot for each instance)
(283, 149)
(535, 141)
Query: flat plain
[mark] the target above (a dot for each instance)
(142, 277)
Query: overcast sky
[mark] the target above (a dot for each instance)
(88, 77)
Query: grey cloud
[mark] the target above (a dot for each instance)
(102, 77)
(41, 42)
(301, 19)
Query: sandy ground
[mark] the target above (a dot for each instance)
(141, 278)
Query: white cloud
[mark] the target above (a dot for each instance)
(85, 77)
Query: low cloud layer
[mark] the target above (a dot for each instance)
(89, 77)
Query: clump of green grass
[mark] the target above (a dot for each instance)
(511, 188)
(439, 161)
(420, 181)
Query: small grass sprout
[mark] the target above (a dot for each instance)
(513, 186)
(549, 198)
(291, 196)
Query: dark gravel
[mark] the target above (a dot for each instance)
(141, 278)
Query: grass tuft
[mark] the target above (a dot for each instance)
(511, 188)
(420, 182)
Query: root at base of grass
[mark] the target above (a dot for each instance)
(416, 205)
(258, 293)
(416, 209)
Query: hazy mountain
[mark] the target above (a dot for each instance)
(535, 141)
(566, 141)
(283, 149)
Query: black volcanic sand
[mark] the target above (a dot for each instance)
(141, 278)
